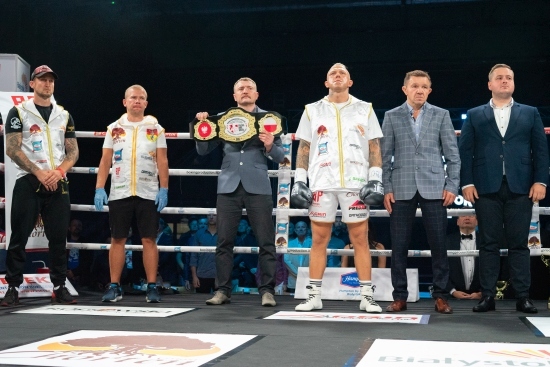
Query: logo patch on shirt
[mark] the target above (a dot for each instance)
(323, 148)
(148, 173)
(322, 130)
(118, 155)
(152, 135)
(37, 146)
(35, 129)
(118, 133)
(361, 130)
(15, 123)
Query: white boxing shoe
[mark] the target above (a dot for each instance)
(313, 301)
(368, 303)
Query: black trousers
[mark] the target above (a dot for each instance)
(510, 213)
(55, 210)
(229, 211)
(434, 217)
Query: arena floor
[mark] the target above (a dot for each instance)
(279, 342)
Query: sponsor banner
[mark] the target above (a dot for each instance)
(90, 348)
(539, 325)
(343, 284)
(283, 197)
(414, 353)
(350, 317)
(34, 285)
(14, 73)
(107, 311)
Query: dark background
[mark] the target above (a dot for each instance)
(188, 54)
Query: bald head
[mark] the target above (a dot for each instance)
(135, 86)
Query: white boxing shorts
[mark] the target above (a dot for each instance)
(325, 204)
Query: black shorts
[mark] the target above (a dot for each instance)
(123, 211)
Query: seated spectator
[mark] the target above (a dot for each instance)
(203, 222)
(203, 264)
(168, 266)
(182, 258)
(244, 265)
(294, 261)
(377, 261)
(79, 262)
(464, 271)
(101, 233)
(2, 252)
(340, 230)
(291, 233)
(281, 273)
(335, 261)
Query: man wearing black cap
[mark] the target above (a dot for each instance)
(41, 141)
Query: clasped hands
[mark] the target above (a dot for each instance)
(49, 178)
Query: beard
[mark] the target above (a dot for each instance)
(44, 95)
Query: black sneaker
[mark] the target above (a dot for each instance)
(11, 298)
(62, 295)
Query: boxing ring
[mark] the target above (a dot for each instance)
(279, 342)
(281, 212)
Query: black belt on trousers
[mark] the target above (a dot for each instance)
(236, 125)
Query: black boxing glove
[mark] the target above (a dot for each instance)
(301, 196)
(372, 193)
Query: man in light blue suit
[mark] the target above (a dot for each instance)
(243, 183)
(505, 169)
(416, 135)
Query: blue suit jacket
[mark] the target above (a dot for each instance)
(244, 162)
(523, 149)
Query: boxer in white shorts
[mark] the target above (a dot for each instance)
(340, 153)
(325, 204)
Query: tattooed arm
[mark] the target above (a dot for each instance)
(375, 155)
(302, 156)
(48, 178)
(14, 151)
(71, 154)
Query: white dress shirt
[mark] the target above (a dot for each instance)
(468, 264)
(502, 117)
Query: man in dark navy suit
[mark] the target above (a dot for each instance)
(504, 157)
(464, 270)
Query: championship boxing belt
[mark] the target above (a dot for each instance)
(236, 125)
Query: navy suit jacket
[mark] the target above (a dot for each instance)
(456, 273)
(244, 162)
(523, 149)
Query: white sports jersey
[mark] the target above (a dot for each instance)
(134, 165)
(339, 151)
(42, 142)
